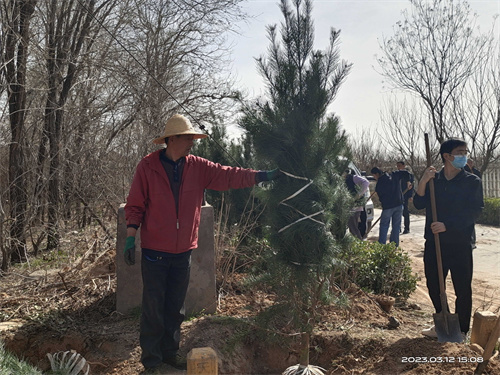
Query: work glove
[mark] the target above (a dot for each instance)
(268, 175)
(273, 175)
(129, 251)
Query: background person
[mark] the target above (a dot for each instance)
(165, 200)
(407, 189)
(469, 167)
(459, 201)
(357, 186)
(389, 192)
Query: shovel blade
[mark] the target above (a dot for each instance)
(447, 327)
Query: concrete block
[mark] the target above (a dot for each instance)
(482, 326)
(202, 361)
(128, 278)
(201, 296)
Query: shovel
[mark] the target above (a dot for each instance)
(371, 226)
(447, 325)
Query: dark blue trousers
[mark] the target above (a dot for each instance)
(457, 259)
(165, 283)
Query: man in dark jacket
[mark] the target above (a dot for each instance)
(165, 201)
(389, 193)
(470, 167)
(407, 188)
(459, 201)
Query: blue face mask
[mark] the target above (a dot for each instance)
(459, 161)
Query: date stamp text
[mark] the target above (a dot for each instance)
(442, 359)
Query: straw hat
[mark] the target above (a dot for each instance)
(178, 125)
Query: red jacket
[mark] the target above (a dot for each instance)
(151, 205)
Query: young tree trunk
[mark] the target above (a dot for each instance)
(3, 250)
(17, 16)
(67, 47)
(53, 206)
(304, 349)
(18, 197)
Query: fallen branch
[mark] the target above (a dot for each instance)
(93, 214)
(66, 286)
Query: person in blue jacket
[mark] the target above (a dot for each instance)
(389, 193)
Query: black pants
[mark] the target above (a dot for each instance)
(362, 223)
(457, 258)
(165, 280)
(406, 215)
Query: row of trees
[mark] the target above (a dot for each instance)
(86, 85)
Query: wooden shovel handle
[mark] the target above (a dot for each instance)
(371, 195)
(371, 226)
(434, 219)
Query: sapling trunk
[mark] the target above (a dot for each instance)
(304, 349)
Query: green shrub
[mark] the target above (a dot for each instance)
(381, 269)
(491, 212)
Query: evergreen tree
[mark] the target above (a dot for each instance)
(292, 130)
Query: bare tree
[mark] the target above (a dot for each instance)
(403, 124)
(100, 78)
(368, 149)
(70, 30)
(432, 54)
(16, 17)
(476, 110)
(177, 50)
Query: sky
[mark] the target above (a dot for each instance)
(363, 25)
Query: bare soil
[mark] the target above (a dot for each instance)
(73, 308)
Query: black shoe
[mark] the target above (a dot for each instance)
(406, 231)
(177, 361)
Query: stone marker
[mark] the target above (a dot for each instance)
(202, 361)
(482, 326)
(201, 296)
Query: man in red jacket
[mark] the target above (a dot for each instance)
(165, 201)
